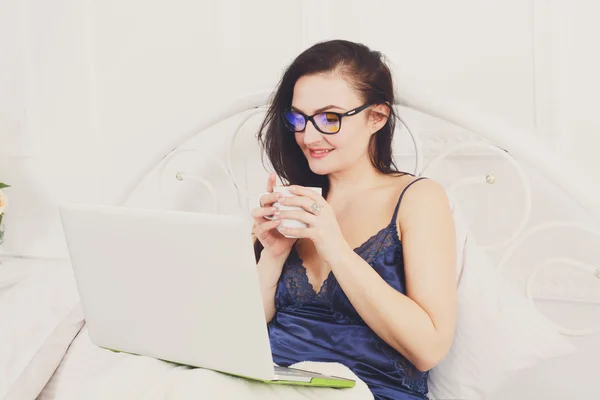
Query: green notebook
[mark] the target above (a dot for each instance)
(284, 376)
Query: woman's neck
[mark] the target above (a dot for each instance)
(360, 177)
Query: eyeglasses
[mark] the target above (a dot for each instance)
(326, 122)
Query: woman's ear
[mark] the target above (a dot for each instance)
(378, 117)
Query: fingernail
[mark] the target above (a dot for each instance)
(276, 212)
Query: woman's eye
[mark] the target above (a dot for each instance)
(331, 117)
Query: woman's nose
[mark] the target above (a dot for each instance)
(311, 134)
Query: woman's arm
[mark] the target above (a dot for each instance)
(420, 324)
(269, 271)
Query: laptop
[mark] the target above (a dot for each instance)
(177, 286)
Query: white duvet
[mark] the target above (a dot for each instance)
(88, 372)
(45, 352)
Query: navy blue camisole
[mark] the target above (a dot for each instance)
(324, 326)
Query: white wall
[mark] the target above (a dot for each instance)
(117, 80)
(90, 90)
(578, 82)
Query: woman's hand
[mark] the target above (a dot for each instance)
(322, 226)
(265, 230)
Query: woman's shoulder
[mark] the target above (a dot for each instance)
(418, 185)
(424, 210)
(419, 195)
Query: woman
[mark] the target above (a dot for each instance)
(371, 281)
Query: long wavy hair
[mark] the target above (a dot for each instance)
(367, 73)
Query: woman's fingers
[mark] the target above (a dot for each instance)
(263, 230)
(267, 199)
(306, 192)
(271, 182)
(300, 215)
(298, 201)
(262, 212)
(298, 232)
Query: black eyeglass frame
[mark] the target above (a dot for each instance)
(311, 118)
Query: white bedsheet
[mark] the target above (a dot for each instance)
(46, 352)
(89, 372)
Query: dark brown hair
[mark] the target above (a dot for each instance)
(366, 71)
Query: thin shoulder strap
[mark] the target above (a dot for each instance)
(402, 195)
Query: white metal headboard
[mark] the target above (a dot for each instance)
(508, 142)
(580, 186)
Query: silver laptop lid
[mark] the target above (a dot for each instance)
(173, 285)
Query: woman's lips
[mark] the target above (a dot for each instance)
(319, 153)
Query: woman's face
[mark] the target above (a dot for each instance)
(327, 153)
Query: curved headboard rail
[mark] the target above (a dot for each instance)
(519, 143)
(231, 109)
(490, 179)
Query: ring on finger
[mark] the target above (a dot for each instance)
(315, 208)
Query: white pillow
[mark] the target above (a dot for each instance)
(499, 331)
(39, 316)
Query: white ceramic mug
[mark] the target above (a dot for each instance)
(289, 223)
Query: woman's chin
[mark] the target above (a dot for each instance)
(319, 169)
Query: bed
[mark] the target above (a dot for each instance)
(532, 215)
